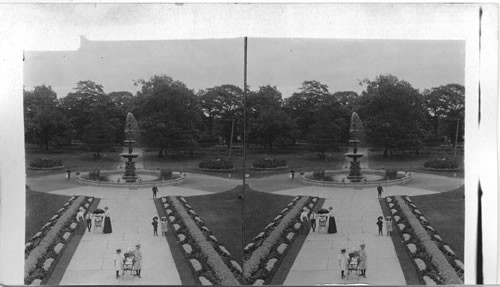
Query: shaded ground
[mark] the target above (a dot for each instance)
(221, 213)
(446, 213)
(260, 210)
(40, 207)
(297, 159)
(73, 157)
(411, 162)
(405, 260)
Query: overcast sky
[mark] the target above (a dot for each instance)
(284, 63)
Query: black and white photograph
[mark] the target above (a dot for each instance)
(321, 152)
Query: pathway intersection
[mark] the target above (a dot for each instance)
(356, 211)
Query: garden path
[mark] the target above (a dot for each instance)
(356, 212)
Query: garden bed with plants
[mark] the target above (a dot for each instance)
(43, 250)
(435, 263)
(269, 164)
(442, 164)
(218, 164)
(265, 252)
(45, 163)
(209, 260)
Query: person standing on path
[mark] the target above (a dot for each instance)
(380, 223)
(155, 190)
(363, 258)
(313, 217)
(343, 261)
(388, 225)
(292, 174)
(332, 225)
(88, 219)
(107, 221)
(155, 226)
(138, 260)
(304, 218)
(379, 190)
(118, 262)
(164, 226)
(81, 220)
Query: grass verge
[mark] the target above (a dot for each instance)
(405, 261)
(287, 263)
(183, 268)
(446, 213)
(70, 248)
(40, 207)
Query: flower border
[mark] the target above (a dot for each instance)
(211, 265)
(437, 266)
(261, 266)
(40, 258)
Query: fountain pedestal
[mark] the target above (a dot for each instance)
(355, 168)
(130, 128)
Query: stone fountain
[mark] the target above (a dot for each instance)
(355, 168)
(131, 130)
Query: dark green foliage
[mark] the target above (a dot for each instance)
(319, 174)
(165, 173)
(391, 174)
(443, 163)
(45, 162)
(269, 163)
(219, 163)
(94, 174)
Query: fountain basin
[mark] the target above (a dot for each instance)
(146, 178)
(354, 155)
(131, 155)
(373, 178)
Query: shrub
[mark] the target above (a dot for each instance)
(319, 174)
(45, 162)
(219, 163)
(94, 174)
(269, 163)
(441, 163)
(165, 173)
(391, 174)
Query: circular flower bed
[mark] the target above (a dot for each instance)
(270, 163)
(219, 164)
(441, 164)
(46, 163)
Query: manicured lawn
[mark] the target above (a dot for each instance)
(260, 210)
(446, 213)
(409, 162)
(73, 157)
(221, 213)
(40, 207)
(298, 159)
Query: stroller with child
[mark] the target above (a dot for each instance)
(323, 216)
(128, 263)
(353, 263)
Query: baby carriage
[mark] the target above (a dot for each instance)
(323, 219)
(98, 221)
(128, 263)
(353, 263)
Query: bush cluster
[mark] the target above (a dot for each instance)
(441, 163)
(269, 163)
(217, 164)
(319, 174)
(391, 174)
(94, 174)
(165, 174)
(45, 162)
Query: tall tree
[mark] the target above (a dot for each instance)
(445, 106)
(393, 114)
(302, 106)
(222, 105)
(168, 113)
(44, 120)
